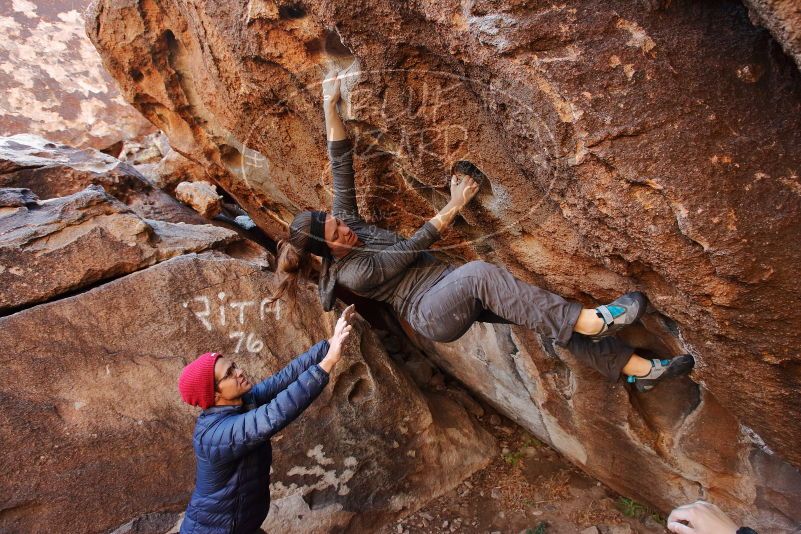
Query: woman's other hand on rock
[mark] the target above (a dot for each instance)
(463, 189)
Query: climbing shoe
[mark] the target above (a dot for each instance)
(620, 313)
(678, 366)
(466, 167)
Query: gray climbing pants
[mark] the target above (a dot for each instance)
(480, 291)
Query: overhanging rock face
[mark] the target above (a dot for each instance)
(652, 145)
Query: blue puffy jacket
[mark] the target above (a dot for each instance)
(233, 452)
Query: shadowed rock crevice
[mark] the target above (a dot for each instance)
(291, 11)
(334, 47)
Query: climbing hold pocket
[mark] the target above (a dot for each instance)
(468, 168)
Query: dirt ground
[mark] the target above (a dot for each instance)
(529, 489)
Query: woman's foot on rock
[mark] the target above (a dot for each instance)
(620, 313)
(678, 366)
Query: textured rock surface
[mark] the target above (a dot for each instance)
(55, 170)
(679, 435)
(95, 397)
(50, 248)
(783, 19)
(159, 163)
(52, 81)
(201, 196)
(651, 145)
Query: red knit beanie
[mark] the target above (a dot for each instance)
(196, 382)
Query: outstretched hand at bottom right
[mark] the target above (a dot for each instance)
(701, 518)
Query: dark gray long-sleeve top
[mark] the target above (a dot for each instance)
(388, 267)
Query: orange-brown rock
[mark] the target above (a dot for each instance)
(159, 163)
(650, 145)
(201, 196)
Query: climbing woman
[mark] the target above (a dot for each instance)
(439, 301)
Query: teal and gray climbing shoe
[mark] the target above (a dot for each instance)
(620, 313)
(678, 366)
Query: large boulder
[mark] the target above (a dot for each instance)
(678, 435)
(650, 145)
(68, 243)
(94, 432)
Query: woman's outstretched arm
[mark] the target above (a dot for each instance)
(340, 152)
